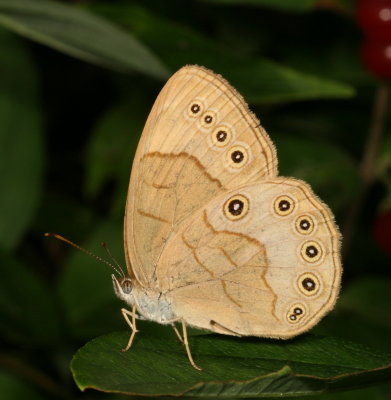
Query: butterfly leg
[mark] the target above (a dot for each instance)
(132, 323)
(187, 347)
(223, 329)
(177, 333)
(183, 339)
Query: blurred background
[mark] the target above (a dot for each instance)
(78, 79)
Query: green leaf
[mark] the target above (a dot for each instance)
(288, 5)
(79, 34)
(232, 367)
(28, 308)
(259, 80)
(378, 392)
(21, 146)
(113, 144)
(339, 58)
(266, 81)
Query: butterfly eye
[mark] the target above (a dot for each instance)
(236, 207)
(308, 284)
(304, 225)
(296, 313)
(311, 251)
(237, 157)
(126, 285)
(221, 136)
(284, 205)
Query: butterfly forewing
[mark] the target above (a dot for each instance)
(200, 140)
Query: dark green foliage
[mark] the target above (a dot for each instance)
(231, 367)
(78, 79)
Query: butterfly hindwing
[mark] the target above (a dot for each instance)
(259, 260)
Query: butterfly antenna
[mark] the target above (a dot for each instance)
(62, 238)
(104, 245)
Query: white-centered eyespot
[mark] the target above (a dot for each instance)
(221, 136)
(236, 207)
(311, 251)
(237, 156)
(304, 224)
(284, 205)
(296, 313)
(308, 284)
(195, 109)
(208, 119)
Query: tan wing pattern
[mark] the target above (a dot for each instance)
(199, 141)
(260, 260)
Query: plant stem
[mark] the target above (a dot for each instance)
(367, 167)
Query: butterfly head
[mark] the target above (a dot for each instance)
(123, 288)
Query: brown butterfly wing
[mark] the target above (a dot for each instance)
(262, 260)
(199, 141)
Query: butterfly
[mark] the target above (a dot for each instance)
(214, 238)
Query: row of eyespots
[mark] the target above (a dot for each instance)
(309, 285)
(236, 207)
(207, 118)
(284, 205)
(237, 156)
(311, 251)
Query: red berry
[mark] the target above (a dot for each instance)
(376, 56)
(374, 17)
(382, 231)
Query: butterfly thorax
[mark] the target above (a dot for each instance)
(151, 304)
